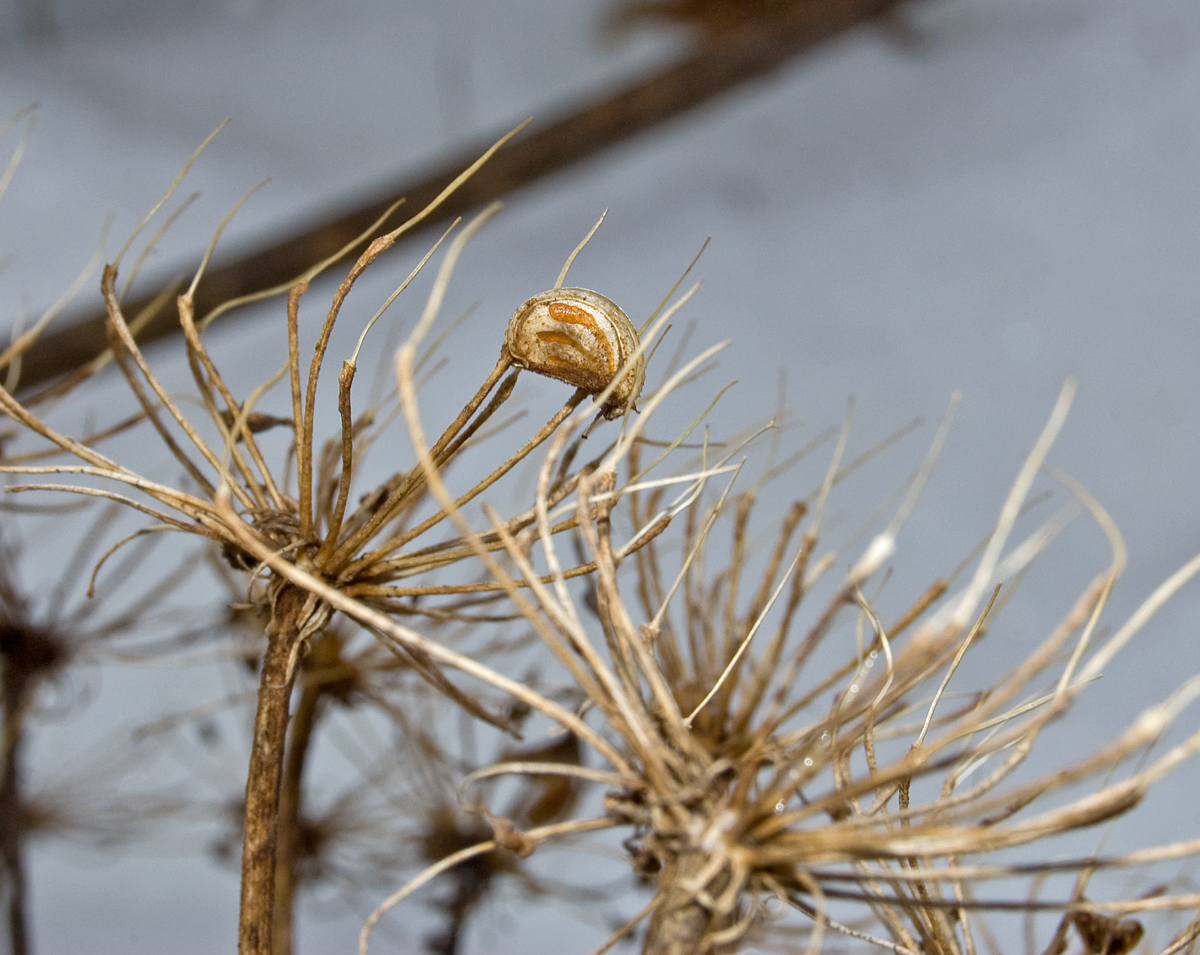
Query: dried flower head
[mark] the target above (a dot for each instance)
(861, 796)
(307, 549)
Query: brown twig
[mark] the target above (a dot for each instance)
(745, 54)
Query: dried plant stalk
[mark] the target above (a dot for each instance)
(300, 547)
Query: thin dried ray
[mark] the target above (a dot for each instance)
(10, 357)
(437, 293)
(65, 384)
(28, 114)
(1186, 939)
(304, 278)
(400, 288)
(166, 519)
(153, 242)
(572, 647)
(191, 506)
(1149, 607)
(631, 434)
(210, 383)
(530, 837)
(1127, 906)
(562, 276)
(963, 608)
(89, 439)
(639, 540)
(440, 682)
(525, 767)
(304, 433)
(745, 644)
(67, 507)
(411, 482)
(170, 191)
(980, 873)
(798, 903)
(389, 547)
(698, 545)
(959, 654)
(650, 321)
(118, 325)
(817, 509)
(629, 926)
(678, 442)
(216, 236)
(844, 471)
(384, 626)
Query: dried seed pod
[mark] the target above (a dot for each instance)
(1105, 935)
(580, 337)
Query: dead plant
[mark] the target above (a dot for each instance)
(387, 553)
(750, 781)
(747, 778)
(51, 634)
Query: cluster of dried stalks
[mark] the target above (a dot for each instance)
(773, 787)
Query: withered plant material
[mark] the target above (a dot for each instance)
(714, 20)
(441, 826)
(747, 780)
(393, 806)
(750, 52)
(300, 546)
(358, 838)
(46, 632)
(1105, 935)
(389, 808)
(327, 676)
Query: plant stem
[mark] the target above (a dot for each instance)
(291, 795)
(679, 925)
(11, 825)
(256, 922)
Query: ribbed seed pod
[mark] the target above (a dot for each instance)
(580, 337)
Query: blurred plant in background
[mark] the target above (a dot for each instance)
(53, 639)
(758, 768)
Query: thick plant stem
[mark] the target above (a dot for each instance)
(255, 927)
(290, 803)
(679, 925)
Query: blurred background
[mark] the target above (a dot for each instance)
(928, 196)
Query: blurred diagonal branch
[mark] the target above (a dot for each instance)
(725, 61)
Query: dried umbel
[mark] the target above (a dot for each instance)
(290, 520)
(583, 338)
(765, 792)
